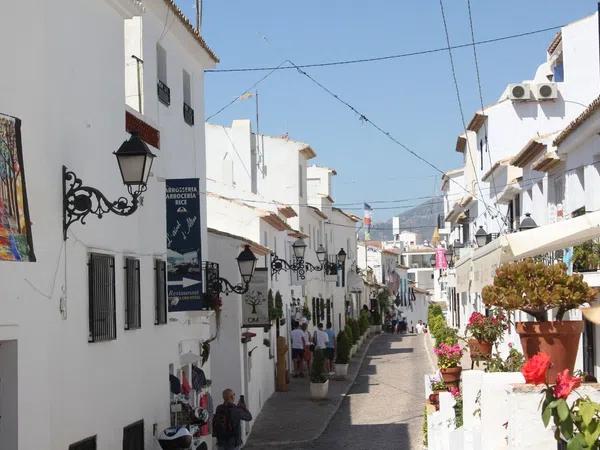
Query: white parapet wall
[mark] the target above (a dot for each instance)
(526, 430)
(495, 390)
(441, 424)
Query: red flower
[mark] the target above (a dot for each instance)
(534, 370)
(565, 383)
(455, 391)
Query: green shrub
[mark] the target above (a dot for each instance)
(446, 335)
(348, 332)
(355, 330)
(317, 370)
(342, 350)
(375, 318)
(363, 322)
(435, 325)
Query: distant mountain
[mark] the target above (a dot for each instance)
(421, 219)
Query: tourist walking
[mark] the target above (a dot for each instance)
(227, 421)
(308, 346)
(331, 343)
(298, 344)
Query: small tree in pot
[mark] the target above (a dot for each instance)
(319, 383)
(535, 288)
(342, 356)
(484, 332)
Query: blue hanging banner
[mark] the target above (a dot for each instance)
(184, 261)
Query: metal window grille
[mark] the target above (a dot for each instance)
(102, 318)
(133, 313)
(133, 436)
(86, 444)
(160, 283)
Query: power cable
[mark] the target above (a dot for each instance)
(460, 106)
(387, 134)
(480, 91)
(260, 80)
(388, 57)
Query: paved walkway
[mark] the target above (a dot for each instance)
(383, 409)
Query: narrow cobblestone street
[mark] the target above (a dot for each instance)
(384, 407)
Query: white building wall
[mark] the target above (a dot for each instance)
(72, 103)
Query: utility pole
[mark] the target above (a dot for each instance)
(198, 15)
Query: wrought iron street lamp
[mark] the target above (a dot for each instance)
(341, 257)
(527, 223)
(246, 264)
(432, 260)
(481, 237)
(135, 161)
(299, 266)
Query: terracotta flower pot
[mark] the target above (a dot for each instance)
(434, 399)
(480, 349)
(451, 376)
(558, 339)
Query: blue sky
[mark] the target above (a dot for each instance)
(413, 97)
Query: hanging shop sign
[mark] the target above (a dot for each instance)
(184, 274)
(16, 243)
(255, 306)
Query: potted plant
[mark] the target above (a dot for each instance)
(350, 336)
(342, 356)
(484, 331)
(437, 385)
(534, 287)
(363, 323)
(449, 356)
(355, 332)
(319, 383)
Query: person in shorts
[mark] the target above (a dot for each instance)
(330, 347)
(297, 338)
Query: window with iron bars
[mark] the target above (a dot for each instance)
(160, 285)
(85, 444)
(102, 318)
(133, 314)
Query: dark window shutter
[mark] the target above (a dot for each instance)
(133, 317)
(133, 436)
(86, 444)
(160, 278)
(102, 314)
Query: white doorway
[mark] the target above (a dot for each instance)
(8, 395)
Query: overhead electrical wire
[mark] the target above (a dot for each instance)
(460, 107)
(387, 57)
(481, 104)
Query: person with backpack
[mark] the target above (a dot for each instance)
(227, 421)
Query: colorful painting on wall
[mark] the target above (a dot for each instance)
(16, 243)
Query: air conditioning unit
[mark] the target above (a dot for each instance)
(545, 91)
(519, 91)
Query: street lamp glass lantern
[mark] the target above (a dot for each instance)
(246, 263)
(432, 260)
(449, 254)
(341, 256)
(481, 237)
(135, 161)
(321, 252)
(299, 248)
(527, 223)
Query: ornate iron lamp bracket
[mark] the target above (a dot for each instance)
(216, 285)
(278, 264)
(79, 201)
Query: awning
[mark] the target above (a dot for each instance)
(554, 236)
(540, 240)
